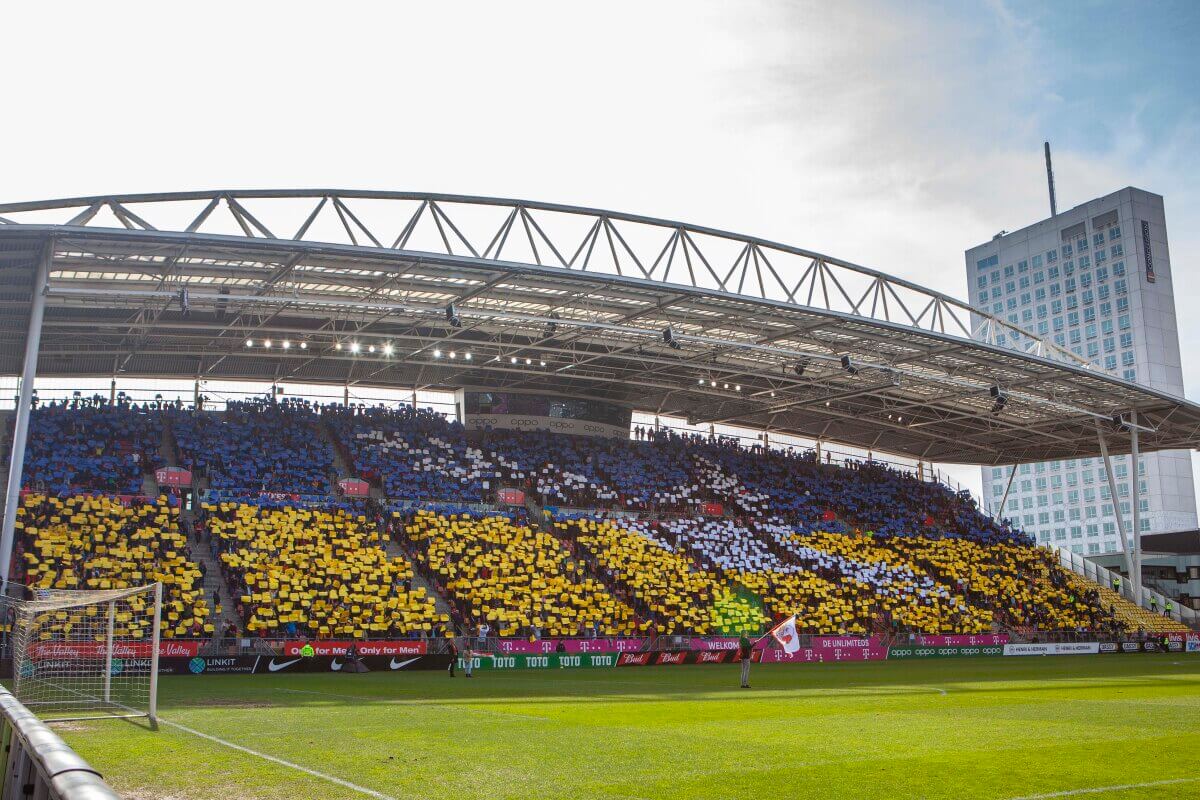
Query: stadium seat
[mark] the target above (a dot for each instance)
(518, 580)
(258, 446)
(311, 572)
(97, 542)
(83, 446)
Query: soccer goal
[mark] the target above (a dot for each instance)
(86, 654)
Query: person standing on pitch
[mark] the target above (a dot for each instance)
(453, 651)
(468, 657)
(745, 648)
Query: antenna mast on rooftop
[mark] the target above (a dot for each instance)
(1050, 183)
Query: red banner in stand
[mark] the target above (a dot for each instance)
(44, 650)
(712, 509)
(175, 477)
(355, 487)
(510, 497)
(334, 647)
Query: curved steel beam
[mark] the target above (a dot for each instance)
(875, 296)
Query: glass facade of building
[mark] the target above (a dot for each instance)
(1095, 280)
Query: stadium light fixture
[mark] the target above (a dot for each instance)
(702, 381)
(388, 349)
(737, 388)
(541, 363)
(437, 353)
(726, 386)
(999, 399)
(528, 361)
(267, 343)
(249, 343)
(467, 356)
(354, 347)
(287, 344)
(772, 394)
(713, 384)
(453, 354)
(513, 360)
(338, 346)
(371, 348)
(304, 345)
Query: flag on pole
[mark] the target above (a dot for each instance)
(785, 634)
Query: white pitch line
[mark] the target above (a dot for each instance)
(282, 762)
(886, 687)
(1104, 789)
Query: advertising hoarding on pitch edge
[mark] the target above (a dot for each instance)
(1052, 649)
(365, 647)
(543, 412)
(394, 656)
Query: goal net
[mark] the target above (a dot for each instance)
(90, 653)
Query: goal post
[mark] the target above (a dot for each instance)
(85, 654)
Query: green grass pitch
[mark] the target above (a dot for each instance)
(977, 728)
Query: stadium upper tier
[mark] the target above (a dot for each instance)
(678, 535)
(257, 447)
(378, 288)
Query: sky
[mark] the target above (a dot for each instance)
(894, 135)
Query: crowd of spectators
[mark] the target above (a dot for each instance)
(100, 542)
(259, 445)
(92, 445)
(515, 579)
(311, 572)
(699, 524)
(418, 453)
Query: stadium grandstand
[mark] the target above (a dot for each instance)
(531, 505)
(251, 434)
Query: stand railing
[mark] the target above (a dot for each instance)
(1105, 577)
(40, 764)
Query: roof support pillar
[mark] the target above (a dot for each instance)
(16, 465)
(1134, 499)
(1004, 500)
(1112, 490)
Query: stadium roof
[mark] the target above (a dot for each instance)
(819, 347)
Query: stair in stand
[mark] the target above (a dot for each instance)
(396, 550)
(214, 584)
